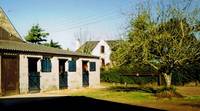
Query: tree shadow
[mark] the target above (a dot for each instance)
(197, 105)
(75, 103)
(130, 89)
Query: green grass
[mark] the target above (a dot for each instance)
(141, 96)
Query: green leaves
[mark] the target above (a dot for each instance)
(36, 35)
(165, 44)
(52, 44)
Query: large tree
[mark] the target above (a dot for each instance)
(36, 35)
(166, 44)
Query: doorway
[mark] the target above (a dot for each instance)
(85, 73)
(10, 74)
(63, 76)
(34, 76)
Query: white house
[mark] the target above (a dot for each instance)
(27, 68)
(101, 48)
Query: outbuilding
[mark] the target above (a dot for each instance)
(27, 68)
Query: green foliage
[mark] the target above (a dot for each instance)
(116, 75)
(53, 44)
(36, 35)
(166, 44)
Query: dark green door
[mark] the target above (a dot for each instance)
(34, 76)
(63, 80)
(63, 75)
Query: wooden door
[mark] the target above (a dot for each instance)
(10, 75)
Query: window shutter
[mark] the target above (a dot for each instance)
(92, 66)
(72, 66)
(46, 65)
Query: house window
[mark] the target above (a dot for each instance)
(92, 66)
(102, 62)
(72, 66)
(46, 64)
(102, 49)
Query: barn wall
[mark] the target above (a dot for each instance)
(94, 76)
(23, 74)
(75, 78)
(50, 80)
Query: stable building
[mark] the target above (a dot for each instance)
(27, 68)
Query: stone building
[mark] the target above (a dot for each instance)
(26, 68)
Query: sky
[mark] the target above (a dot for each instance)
(66, 19)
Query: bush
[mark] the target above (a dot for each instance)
(116, 75)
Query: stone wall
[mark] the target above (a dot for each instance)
(50, 80)
(23, 74)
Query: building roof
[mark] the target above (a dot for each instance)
(6, 45)
(7, 25)
(88, 46)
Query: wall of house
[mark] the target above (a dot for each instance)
(107, 51)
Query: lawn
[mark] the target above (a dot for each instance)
(141, 95)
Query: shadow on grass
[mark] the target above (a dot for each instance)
(130, 89)
(192, 105)
(158, 92)
(70, 103)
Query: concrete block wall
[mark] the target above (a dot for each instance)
(50, 80)
(94, 76)
(75, 78)
(23, 74)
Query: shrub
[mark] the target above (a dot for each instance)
(117, 75)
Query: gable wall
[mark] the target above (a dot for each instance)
(97, 51)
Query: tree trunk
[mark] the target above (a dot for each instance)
(168, 79)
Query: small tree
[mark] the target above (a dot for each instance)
(36, 35)
(53, 44)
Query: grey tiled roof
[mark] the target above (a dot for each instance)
(34, 48)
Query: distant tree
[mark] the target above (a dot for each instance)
(53, 44)
(82, 37)
(36, 35)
